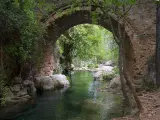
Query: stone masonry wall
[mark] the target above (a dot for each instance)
(139, 46)
(142, 19)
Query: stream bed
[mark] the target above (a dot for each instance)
(82, 101)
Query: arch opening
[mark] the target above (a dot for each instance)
(56, 27)
(87, 46)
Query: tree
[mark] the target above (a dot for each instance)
(158, 45)
(118, 8)
(20, 32)
(84, 42)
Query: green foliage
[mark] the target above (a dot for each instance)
(22, 18)
(109, 77)
(21, 32)
(23, 21)
(116, 70)
(111, 49)
(87, 42)
(93, 66)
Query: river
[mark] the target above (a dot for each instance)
(82, 101)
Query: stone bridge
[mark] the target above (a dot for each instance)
(140, 32)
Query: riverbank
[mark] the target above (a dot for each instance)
(151, 107)
(83, 100)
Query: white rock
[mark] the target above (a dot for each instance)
(108, 63)
(98, 75)
(48, 84)
(44, 82)
(51, 82)
(106, 68)
(101, 71)
(60, 79)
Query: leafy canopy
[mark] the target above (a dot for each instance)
(88, 42)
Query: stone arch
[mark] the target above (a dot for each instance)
(57, 25)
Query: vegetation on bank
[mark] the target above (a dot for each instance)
(19, 37)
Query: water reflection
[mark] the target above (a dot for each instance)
(82, 101)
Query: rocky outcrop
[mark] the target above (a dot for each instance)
(44, 83)
(60, 80)
(20, 89)
(20, 95)
(102, 72)
(51, 82)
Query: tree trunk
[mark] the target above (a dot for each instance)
(130, 85)
(124, 70)
(158, 45)
(126, 98)
(120, 62)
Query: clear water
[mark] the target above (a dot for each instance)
(82, 101)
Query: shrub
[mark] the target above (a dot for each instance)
(109, 77)
(93, 66)
(116, 70)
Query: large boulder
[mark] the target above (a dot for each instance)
(60, 80)
(19, 97)
(51, 82)
(30, 86)
(98, 75)
(44, 83)
(103, 71)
